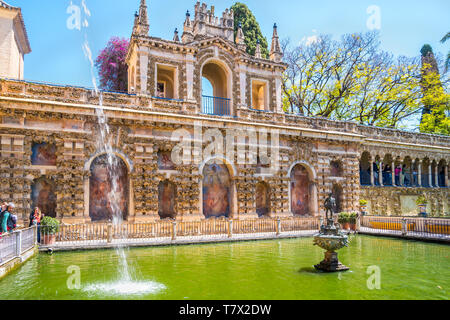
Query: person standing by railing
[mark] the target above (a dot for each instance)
(3, 209)
(35, 220)
(5, 216)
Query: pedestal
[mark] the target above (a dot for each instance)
(331, 263)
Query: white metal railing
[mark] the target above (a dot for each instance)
(13, 245)
(97, 233)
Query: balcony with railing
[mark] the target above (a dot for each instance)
(216, 106)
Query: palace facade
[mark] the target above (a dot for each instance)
(50, 155)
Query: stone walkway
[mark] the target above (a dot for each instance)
(154, 242)
(410, 234)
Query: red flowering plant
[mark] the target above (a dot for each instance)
(111, 65)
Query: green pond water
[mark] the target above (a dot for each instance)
(278, 269)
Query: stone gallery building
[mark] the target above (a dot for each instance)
(284, 165)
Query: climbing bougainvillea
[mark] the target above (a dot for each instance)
(111, 65)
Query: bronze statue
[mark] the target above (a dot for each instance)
(330, 205)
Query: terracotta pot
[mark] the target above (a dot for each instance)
(346, 226)
(48, 239)
(353, 226)
(423, 208)
(364, 210)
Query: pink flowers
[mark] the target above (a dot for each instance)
(112, 67)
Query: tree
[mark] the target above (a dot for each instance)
(351, 79)
(251, 29)
(447, 60)
(435, 100)
(112, 67)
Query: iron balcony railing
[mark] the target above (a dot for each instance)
(216, 106)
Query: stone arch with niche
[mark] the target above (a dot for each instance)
(43, 195)
(302, 189)
(218, 196)
(98, 183)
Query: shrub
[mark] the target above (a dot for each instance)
(343, 217)
(49, 225)
(352, 217)
(421, 201)
(363, 202)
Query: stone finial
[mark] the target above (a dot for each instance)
(141, 26)
(176, 38)
(275, 51)
(188, 29)
(258, 50)
(240, 38)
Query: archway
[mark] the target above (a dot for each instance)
(108, 189)
(43, 196)
(217, 190)
(301, 194)
(166, 200)
(262, 199)
(364, 169)
(218, 77)
(441, 174)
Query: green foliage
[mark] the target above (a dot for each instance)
(50, 225)
(363, 202)
(447, 61)
(351, 79)
(352, 217)
(344, 217)
(437, 101)
(421, 200)
(252, 31)
(425, 50)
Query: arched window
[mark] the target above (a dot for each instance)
(300, 191)
(219, 102)
(108, 189)
(262, 199)
(166, 200)
(217, 190)
(43, 196)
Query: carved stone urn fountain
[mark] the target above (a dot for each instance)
(331, 239)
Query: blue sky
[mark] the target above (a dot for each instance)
(57, 54)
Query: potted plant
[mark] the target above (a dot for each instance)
(352, 220)
(363, 204)
(49, 228)
(422, 203)
(343, 219)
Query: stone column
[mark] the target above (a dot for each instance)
(419, 173)
(430, 178)
(393, 173)
(446, 176)
(380, 173)
(372, 181)
(436, 176)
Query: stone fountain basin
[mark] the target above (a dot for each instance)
(331, 242)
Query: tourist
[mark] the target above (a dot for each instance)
(11, 223)
(3, 209)
(5, 216)
(375, 173)
(35, 220)
(397, 172)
